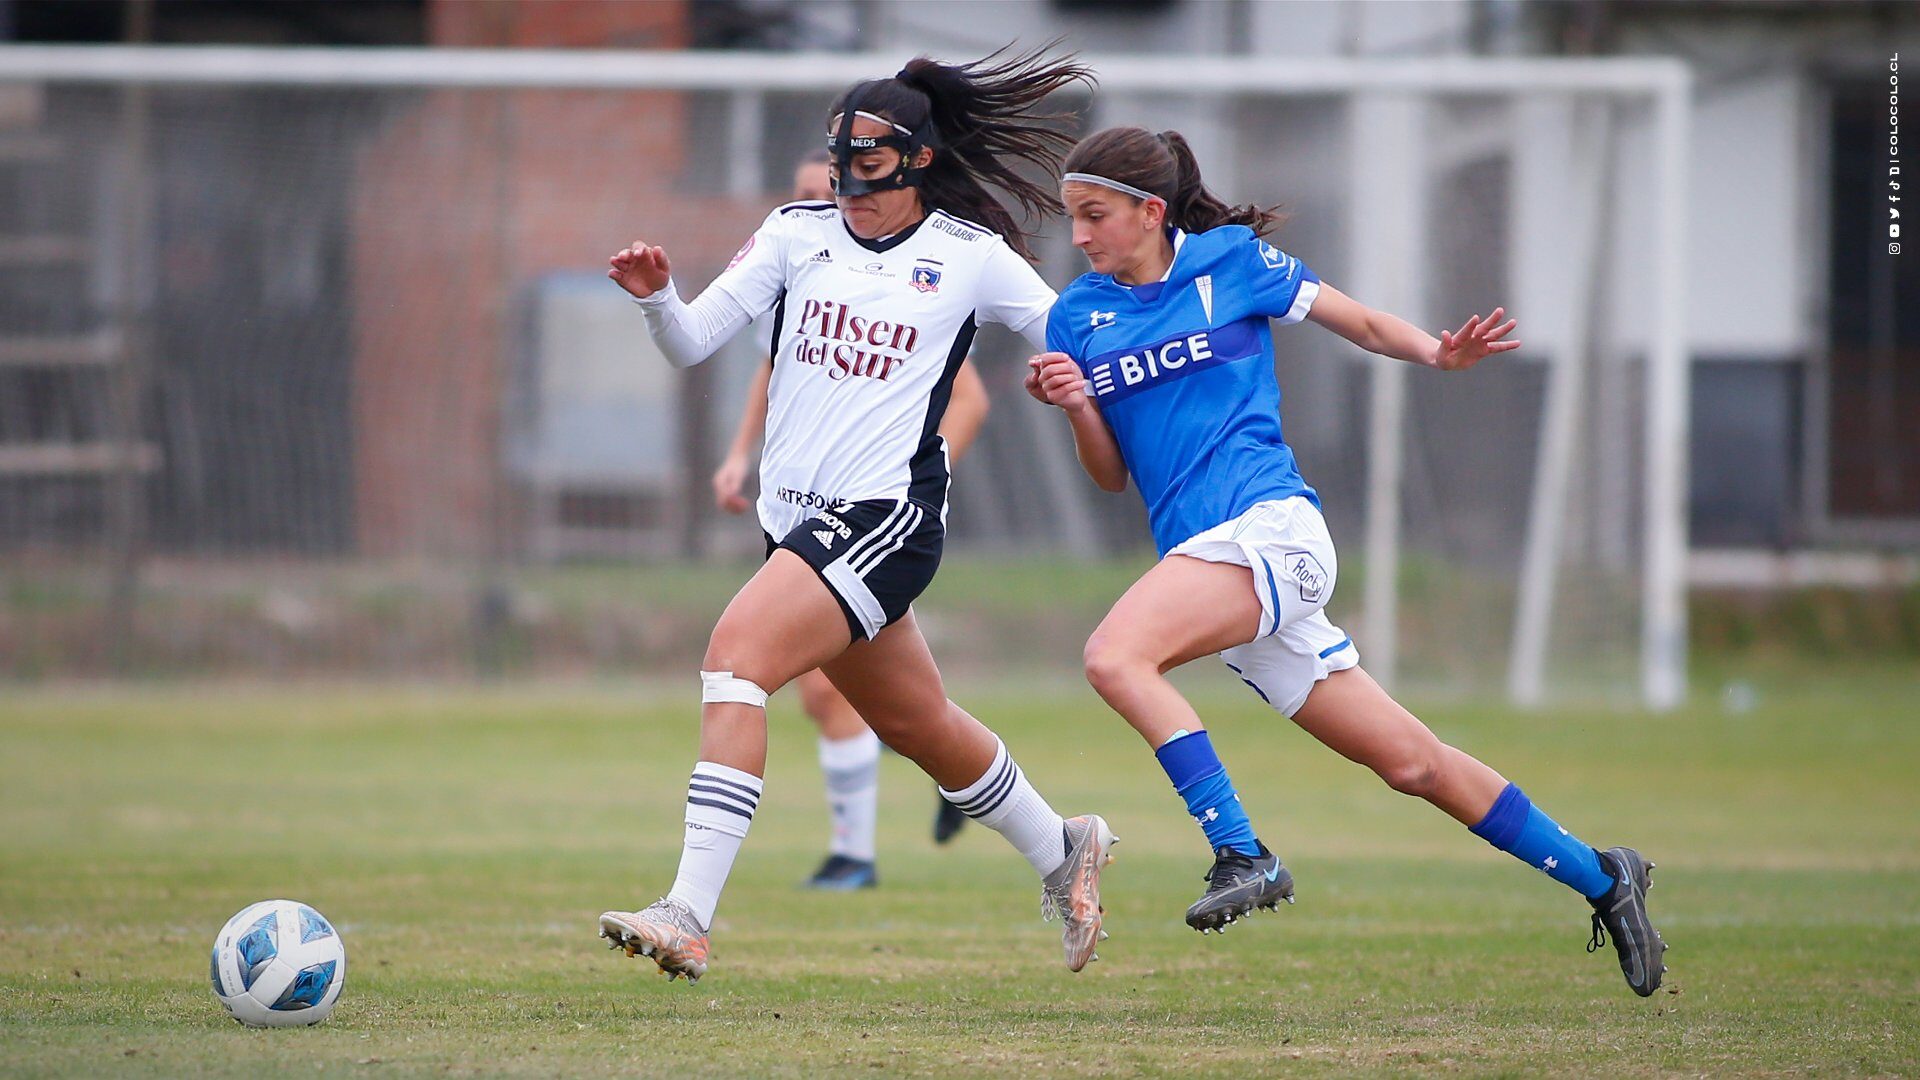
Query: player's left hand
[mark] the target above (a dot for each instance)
(1054, 379)
(1474, 341)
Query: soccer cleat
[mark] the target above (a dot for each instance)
(666, 932)
(1236, 885)
(1072, 891)
(1622, 912)
(947, 819)
(844, 874)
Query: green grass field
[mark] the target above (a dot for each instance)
(464, 840)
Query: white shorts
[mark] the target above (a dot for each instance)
(1285, 543)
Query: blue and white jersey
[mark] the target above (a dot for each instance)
(1182, 370)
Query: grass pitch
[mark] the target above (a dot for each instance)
(464, 841)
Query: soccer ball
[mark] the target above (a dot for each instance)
(278, 964)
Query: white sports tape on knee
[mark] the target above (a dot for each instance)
(722, 686)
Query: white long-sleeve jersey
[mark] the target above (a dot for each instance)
(868, 335)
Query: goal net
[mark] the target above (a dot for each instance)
(308, 363)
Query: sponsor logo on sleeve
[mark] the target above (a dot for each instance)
(741, 254)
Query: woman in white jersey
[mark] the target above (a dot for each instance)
(876, 297)
(849, 751)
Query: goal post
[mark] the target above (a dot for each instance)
(1504, 531)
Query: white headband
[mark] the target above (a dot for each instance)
(875, 119)
(1129, 189)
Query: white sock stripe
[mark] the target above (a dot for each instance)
(720, 804)
(991, 802)
(733, 797)
(899, 540)
(973, 791)
(747, 790)
(873, 537)
(850, 787)
(995, 790)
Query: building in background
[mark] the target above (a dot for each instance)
(1805, 338)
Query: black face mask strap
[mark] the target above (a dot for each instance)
(843, 147)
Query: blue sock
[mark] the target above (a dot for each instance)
(1517, 827)
(1202, 781)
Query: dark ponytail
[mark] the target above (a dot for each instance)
(985, 121)
(1164, 165)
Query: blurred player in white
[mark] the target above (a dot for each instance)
(876, 298)
(849, 750)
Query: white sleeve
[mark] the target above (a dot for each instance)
(689, 333)
(1012, 294)
(758, 271)
(746, 289)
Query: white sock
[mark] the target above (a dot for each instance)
(1003, 801)
(852, 769)
(720, 805)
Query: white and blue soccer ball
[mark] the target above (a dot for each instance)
(278, 963)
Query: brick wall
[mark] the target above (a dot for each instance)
(464, 198)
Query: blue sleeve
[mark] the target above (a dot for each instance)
(1059, 338)
(1278, 285)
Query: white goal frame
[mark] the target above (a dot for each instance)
(1665, 84)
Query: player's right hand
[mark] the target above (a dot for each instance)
(640, 269)
(728, 480)
(1054, 379)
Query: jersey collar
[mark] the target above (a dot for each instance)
(1150, 291)
(885, 244)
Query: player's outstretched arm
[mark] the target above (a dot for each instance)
(685, 333)
(1389, 335)
(731, 477)
(1054, 379)
(967, 411)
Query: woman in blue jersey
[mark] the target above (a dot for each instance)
(1162, 359)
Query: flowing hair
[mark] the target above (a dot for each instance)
(986, 121)
(1164, 165)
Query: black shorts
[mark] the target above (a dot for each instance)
(876, 557)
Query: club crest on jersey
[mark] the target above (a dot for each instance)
(1204, 284)
(741, 254)
(926, 275)
(1103, 319)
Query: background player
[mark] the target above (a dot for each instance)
(849, 750)
(1163, 361)
(877, 299)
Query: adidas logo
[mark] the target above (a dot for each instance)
(825, 536)
(821, 256)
